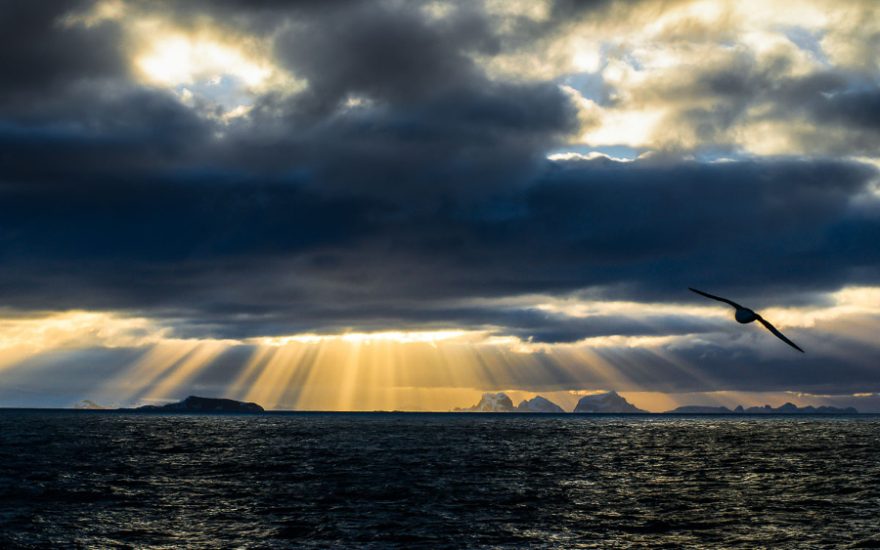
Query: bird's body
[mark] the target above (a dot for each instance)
(745, 315)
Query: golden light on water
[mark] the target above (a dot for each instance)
(403, 337)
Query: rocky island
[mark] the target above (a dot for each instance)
(612, 402)
(608, 403)
(539, 404)
(202, 405)
(491, 402)
(501, 402)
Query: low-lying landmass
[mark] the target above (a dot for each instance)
(88, 405)
(201, 404)
(613, 403)
(787, 408)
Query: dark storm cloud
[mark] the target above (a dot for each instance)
(472, 139)
(754, 222)
(836, 101)
(241, 258)
(387, 54)
(860, 108)
(41, 54)
(541, 327)
(528, 324)
(311, 215)
(431, 120)
(86, 135)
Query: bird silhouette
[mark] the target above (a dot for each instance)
(745, 315)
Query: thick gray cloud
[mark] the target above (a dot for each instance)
(387, 54)
(296, 260)
(40, 54)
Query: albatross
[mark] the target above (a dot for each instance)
(745, 315)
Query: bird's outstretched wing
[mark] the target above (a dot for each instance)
(719, 298)
(778, 334)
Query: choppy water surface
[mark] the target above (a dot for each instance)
(409, 480)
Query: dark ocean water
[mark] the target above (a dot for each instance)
(82, 479)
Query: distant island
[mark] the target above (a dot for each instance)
(201, 404)
(539, 404)
(501, 402)
(608, 402)
(613, 403)
(88, 405)
(787, 408)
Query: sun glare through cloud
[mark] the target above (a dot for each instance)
(176, 59)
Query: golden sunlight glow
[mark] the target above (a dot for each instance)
(611, 126)
(23, 337)
(418, 370)
(585, 308)
(587, 59)
(402, 337)
(849, 301)
(179, 59)
(633, 128)
(185, 370)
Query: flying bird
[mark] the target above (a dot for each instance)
(745, 315)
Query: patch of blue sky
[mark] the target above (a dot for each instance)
(590, 85)
(612, 151)
(226, 90)
(807, 40)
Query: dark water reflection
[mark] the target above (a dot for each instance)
(403, 480)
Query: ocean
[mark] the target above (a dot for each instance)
(398, 480)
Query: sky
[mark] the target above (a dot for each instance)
(400, 205)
